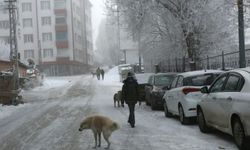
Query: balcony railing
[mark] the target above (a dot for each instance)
(61, 27)
(60, 12)
(62, 44)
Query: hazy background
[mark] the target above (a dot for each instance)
(98, 13)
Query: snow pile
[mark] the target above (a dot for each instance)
(52, 83)
(111, 77)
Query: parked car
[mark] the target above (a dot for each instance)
(225, 105)
(142, 80)
(156, 87)
(123, 71)
(184, 93)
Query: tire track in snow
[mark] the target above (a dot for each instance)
(125, 135)
(41, 130)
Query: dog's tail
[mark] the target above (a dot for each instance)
(115, 126)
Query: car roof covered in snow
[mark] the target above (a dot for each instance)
(168, 73)
(199, 72)
(247, 69)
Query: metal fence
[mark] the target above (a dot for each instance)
(224, 61)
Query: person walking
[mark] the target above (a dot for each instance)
(130, 94)
(102, 73)
(98, 72)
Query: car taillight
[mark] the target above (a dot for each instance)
(188, 90)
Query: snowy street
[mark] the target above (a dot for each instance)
(51, 116)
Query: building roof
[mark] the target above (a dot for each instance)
(20, 63)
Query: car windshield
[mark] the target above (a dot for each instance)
(200, 80)
(143, 78)
(163, 79)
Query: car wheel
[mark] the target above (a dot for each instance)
(239, 135)
(166, 112)
(202, 122)
(147, 103)
(153, 107)
(183, 119)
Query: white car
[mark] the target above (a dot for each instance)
(184, 93)
(225, 105)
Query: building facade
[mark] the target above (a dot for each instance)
(4, 23)
(55, 34)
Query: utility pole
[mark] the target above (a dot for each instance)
(13, 46)
(242, 58)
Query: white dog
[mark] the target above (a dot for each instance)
(99, 124)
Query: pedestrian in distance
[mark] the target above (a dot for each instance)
(98, 73)
(102, 73)
(130, 94)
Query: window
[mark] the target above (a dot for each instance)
(61, 36)
(233, 84)
(218, 85)
(60, 4)
(173, 84)
(47, 37)
(5, 39)
(62, 52)
(150, 80)
(3, 9)
(46, 21)
(45, 5)
(180, 82)
(163, 80)
(200, 80)
(27, 22)
(48, 53)
(29, 53)
(60, 20)
(4, 24)
(28, 38)
(26, 7)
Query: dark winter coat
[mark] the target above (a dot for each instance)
(130, 91)
(102, 72)
(98, 71)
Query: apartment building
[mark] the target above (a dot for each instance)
(55, 34)
(4, 23)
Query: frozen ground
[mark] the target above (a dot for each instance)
(50, 118)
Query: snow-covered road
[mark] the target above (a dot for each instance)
(50, 119)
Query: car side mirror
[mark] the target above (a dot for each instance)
(204, 89)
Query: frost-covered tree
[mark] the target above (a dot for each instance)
(177, 28)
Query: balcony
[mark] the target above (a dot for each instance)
(62, 44)
(61, 28)
(61, 12)
(62, 59)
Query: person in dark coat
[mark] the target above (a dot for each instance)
(130, 94)
(98, 73)
(102, 73)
